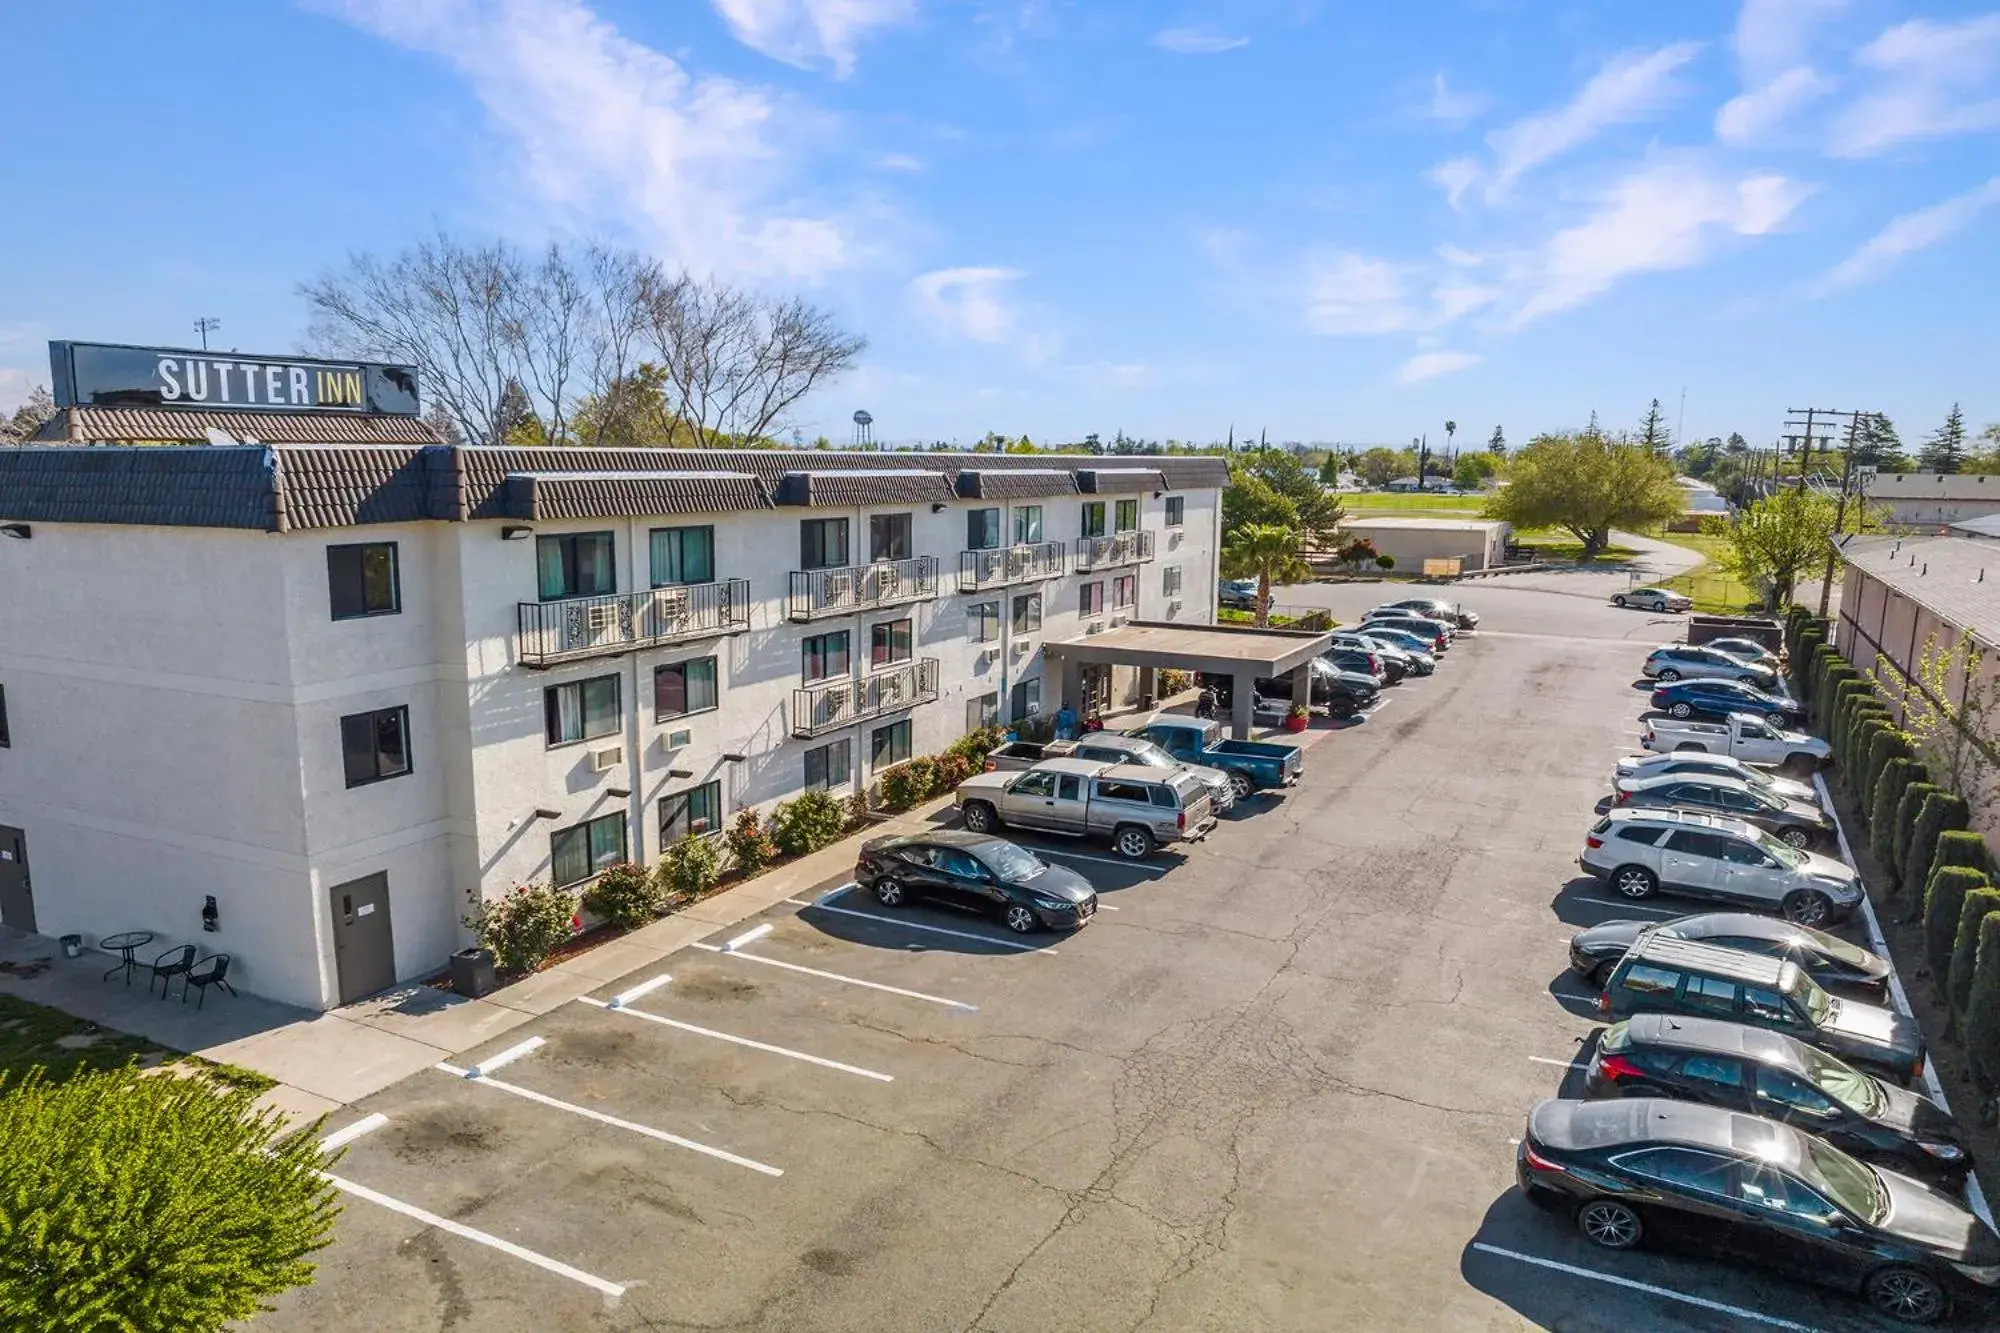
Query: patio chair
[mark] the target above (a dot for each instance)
(210, 971)
(173, 963)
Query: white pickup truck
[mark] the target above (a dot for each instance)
(1748, 738)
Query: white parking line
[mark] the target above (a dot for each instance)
(1101, 860)
(918, 925)
(1634, 907)
(650, 984)
(340, 1138)
(472, 1076)
(749, 936)
(785, 1051)
(836, 976)
(506, 1057)
(1664, 1293)
(1560, 1064)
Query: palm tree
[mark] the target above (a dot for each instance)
(1270, 554)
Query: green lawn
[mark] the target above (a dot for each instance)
(1412, 505)
(34, 1035)
(1713, 586)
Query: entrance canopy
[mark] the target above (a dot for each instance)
(1245, 654)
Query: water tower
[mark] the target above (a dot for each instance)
(864, 434)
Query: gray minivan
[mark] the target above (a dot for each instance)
(1136, 808)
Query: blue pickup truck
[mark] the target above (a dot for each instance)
(1251, 765)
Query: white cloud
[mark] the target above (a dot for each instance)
(1748, 117)
(968, 302)
(1449, 108)
(1936, 79)
(1351, 293)
(1430, 365)
(1458, 257)
(899, 162)
(1771, 35)
(610, 131)
(1630, 87)
(1453, 299)
(810, 33)
(1912, 232)
(1196, 42)
(1455, 178)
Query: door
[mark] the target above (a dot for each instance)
(364, 951)
(921, 874)
(1787, 1225)
(1690, 860)
(967, 881)
(1031, 801)
(1751, 876)
(1067, 812)
(17, 902)
(1096, 683)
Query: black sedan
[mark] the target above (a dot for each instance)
(1840, 967)
(1715, 700)
(1767, 1073)
(1798, 823)
(976, 873)
(1757, 1192)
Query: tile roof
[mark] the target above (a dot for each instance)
(338, 488)
(638, 494)
(183, 425)
(1107, 480)
(208, 488)
(1958, 578)
(849, 487)
(1019, 483)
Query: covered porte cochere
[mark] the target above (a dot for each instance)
(1247, 655)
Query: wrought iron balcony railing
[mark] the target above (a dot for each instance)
(1026, 563)
(831, 705)
(818, 593)
(553, 632)
(1120, 548)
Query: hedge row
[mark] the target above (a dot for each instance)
(1982, 1009)
(915, 781)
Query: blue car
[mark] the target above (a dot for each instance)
(1715, 700)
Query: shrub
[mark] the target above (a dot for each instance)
(1815, 667)
(1944, 902)
(525, 926)
(1941, 810)
(1803, 661)
(952, 769)
(1896, 775)
(1979, 904)
(974, 746)
(1888, 744)
(909, 783)
(1962, 847)
(808, 822)
(749, 842)
(689, 869)
(136, 1201)
(1861, 747)
(1173, 680)
(1385, 562)
(1982, 1008)
(625, 896)
(1907, 810)
(1842, 684)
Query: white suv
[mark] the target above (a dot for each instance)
(1677, 661)
(1640, 852)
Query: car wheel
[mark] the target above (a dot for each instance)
(890, 892)
(1682, 711)
(1020, 920)
(1609, 1223)
(1807, 907)
(1133, 843)
(979, 817)
(1670, 674)
(1619, 600)
(1797, 837)
(1634, 882)
(1239, 782)
(1906, 1294)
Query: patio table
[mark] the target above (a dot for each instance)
(126, 944)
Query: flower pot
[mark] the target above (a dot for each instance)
(1295, 723)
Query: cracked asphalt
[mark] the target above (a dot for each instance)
(1276, 1088)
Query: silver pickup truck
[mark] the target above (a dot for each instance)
(1110, 747)
(1136, 808)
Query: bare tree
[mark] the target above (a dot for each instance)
(29, 417)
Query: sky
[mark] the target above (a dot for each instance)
(1322, 219)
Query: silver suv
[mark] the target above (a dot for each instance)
(1691, 661)
(1640, 852)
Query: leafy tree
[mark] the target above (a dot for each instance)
(1774, 541)
(1379, 466)
(1653, 436)
(1944, 451)
(1450, 430)
(1496, 444)
(1586, 485)
(1988, 458)
(1276, 487)
(136, 1201)
(1268, 553)
(1877, 445)
(1329, 469)
(1736, 444)
(1474, 470)
(1949, 705)
(516, 420)
(38, 407)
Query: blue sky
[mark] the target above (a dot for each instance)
(1333, 221)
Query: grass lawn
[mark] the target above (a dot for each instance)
(1413, 505)
(1556, 544)
(1713, 586)
(35, 1035)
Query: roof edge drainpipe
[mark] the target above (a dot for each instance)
(273, 468)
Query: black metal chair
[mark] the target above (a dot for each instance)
(210, 971)
(173, 963)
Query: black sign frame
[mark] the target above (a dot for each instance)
(180, 378)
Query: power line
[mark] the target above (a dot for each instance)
(206, 325)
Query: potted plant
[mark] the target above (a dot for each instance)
(1296, 718)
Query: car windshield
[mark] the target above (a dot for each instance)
(1761, 781)
(1148, 755)
(1845, 1181)
(1816, 1002)
(1835, 947)
(1782, 853)
(1843, 1082)
(1013, 863)
(1766, 799)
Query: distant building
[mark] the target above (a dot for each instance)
(1932, 499)
(1476, 543)
(1987, 528)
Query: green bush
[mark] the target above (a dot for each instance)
(1982, 1008)
(952, 769)
(1842, 684)
(525, 926)
(1963, 847)
(808, 822)
(134, 1202)
(909, 783)
(1385, 562)
(1972, 913)
(974, 746)
(1171, 681)
(1840, 735)
(688, 869)
(1944, 903)
(1907, 810)
(1803, 662)
(749, 842)
(1824, 661)
(1887, 745)
(1941, 810)
(1861, 745)
(1897, 774)
(624, 895)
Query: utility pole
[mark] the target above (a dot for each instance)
(1840, 513)
(206, 325)
(1806, 437)
(1680, 419)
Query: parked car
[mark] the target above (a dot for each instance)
(1342, 694)
(1437, 608)
(1748, 649)
(1752, 739)
(1018, 756)
(1677, 661)
(1136, 808)
(1843, 968)
(1420, 650)
(1663, 975)
(1357, 662)
(1716, 699)
(1251, 765)
(1682, 1176)
(977, 873)
(1238, 594)
(1639, 852)
(1412, 620)
(1115, 747)
(1779, 1077)
(1653, 599)
(1433, 634)
(1715, 765)
(1800, 823)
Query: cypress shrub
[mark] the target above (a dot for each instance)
(1856, 707)
(1888, 744)
(1963, 847)
(1867, 758)
(1896, 775)
(1907, 810)
(1867, 718)
(1978, 905)
(1982, 1007)
(1840, 681)
(1944, 902)
(1823, 660)
(1813, 652)
(1941, 810)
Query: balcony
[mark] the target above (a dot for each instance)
(818, 709)
(1027, 563)
(819, 593)
(1120, 548)
(578, 627)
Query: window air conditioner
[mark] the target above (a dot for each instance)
(1021, 646)
(608, 757)
(1116, 621)
(1094, 627)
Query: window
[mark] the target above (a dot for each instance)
(830, 766)
(581, 850)
(889, 643)
(1710, 995)
(962, 864)
(889, 537)
(1769, 1188)
(1170, 581)
(1743, 854)
(361, 580)
(683, 555)
(1164, 798)
(1027, 524)
(982, 710)
(576, 564)
(982, 622)
(823, 656)
(683, 688)
(1767, 1006)
(1713, 1069)
(982, 529)
(1124, 591)
(1093, 519)
(1116, 789)
(376, 745)
(822, 543)
(1036, 783)
(5, 739)
(1176, 510)
(1025, 700)
(1126, 516)
(1775, 1085)
(581, 710)
(696, 810)
(1692, 842)
(1638, 833)
(1069, 788)
(891, 744)
(1681, 1166)
(1645, 980)
(1091, 600)
(1027, 613)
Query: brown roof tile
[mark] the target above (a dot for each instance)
(640, 494)
(182, 425)
(1020, 483)
(849, 487)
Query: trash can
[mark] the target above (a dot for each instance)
(472, 973)
(72, 946)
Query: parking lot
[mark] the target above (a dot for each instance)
(1275, 1084)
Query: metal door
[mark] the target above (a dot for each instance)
(1070, 807)
(17, 902)
(364, 949)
